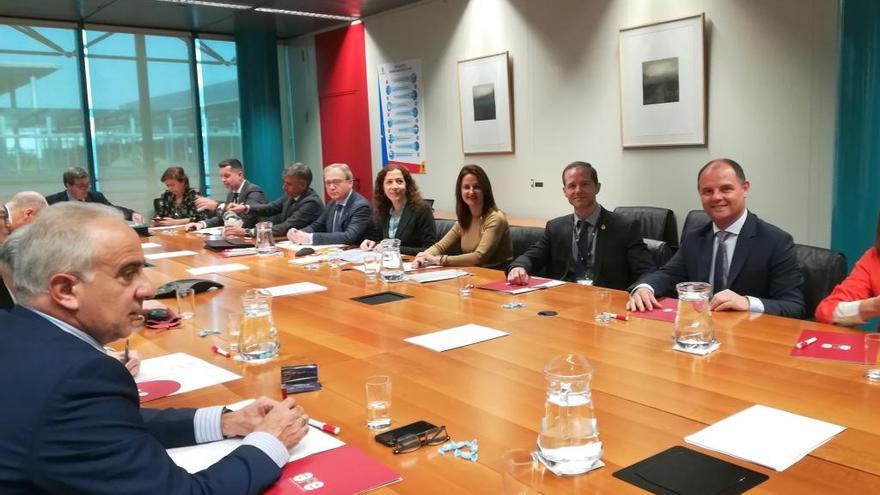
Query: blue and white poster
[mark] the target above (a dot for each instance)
(402, 115)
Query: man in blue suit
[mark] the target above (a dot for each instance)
(76, 425)
(76, 188)
(750, 263)
(345, 219)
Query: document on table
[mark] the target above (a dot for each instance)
(407, 267)
(291, 246)
(150, 245)
(535, 283)
(307, 260)
(198, 457)
(453, 338)
(210, 231)
(190, 372)
(435, 276)
(295, 289)
(229, 267)
(766, 436)
(168, 254)
(165, 227)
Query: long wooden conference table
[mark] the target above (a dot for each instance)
(647, 397)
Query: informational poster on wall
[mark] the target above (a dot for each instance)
(402, 115)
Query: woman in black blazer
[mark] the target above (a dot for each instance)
(400, 213)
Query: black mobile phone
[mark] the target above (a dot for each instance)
(390, 437)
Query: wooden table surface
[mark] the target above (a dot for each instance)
(647, 397)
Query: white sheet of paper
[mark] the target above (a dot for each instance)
(435, 276)
(229, 267)
(199, 457)
(168, 254)
(290, 246)
(766, 436)
(150, 245)
(191, 372)
(295, 289)
(545, 285)
(353, 255)
(452, 338)
(210, 231)
(305, 260)
(165, 227)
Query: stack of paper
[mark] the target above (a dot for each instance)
(766, 436)
(456, 337)
(435, 276)
(295, 289)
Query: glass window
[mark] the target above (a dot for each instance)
(221, 123)
(41, 118)
(144, 117)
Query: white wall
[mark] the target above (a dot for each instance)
(772, 75)
(300, 107)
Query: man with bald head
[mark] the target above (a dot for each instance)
(76, 425)
(750, 263)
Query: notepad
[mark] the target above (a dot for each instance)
(168, 254)
(230, 267)
(191, 372)
(435, 276)
(296, 289)
(453, 338)
(150, 245)
(770, 437)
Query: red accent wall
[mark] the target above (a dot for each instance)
(342, 99)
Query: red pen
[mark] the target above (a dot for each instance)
(324, 426)
(617, 316)
(804, 343)
(219, 350)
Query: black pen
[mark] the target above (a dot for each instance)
(125, 353)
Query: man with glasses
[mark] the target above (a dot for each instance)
(76, 188)
(346, 218)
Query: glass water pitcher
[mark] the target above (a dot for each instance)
(392, 264)
(258, 338)
(693, 328)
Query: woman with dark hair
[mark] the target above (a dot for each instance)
(481, 232)
(177, 206)
(400, 213)
(857, 299)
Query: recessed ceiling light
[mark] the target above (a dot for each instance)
(300, 13)
(205, 3)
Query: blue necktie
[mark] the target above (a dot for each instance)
(719, 279)
(336, 218)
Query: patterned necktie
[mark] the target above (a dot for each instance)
(719, 279)
(235, 197)
(336, 218)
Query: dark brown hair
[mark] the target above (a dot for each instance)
(178, 174)
(462, 210)
(381, 203)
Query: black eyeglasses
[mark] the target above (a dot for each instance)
(411, 442)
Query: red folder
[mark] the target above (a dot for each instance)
(341, 471)
(849, 347)
(666, 312)
(535, 283)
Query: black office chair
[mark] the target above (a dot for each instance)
(657, 223)
(522, 238)
(694, 220)
(430, 203)
(823, 269)
(660, 251)
(443, 226)
(157, 205)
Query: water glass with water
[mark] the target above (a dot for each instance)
(392, 263)
(378, 390)
(569, 437)
(186, 303)
(602, 301)
(693, 327)
(334, 258)
(522, 475)
(465, 284)
(872, 345)
(258, 338)
(264, 239)
(372, 265)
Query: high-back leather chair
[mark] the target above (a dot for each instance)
(694, 220)
(823, 269)
(657, 223)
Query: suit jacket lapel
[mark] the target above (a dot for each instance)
(707, 237)
(405, 217)
(601, 241)
(743, 245)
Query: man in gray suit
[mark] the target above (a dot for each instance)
(298, 208)
(346, 218)
(240, 191)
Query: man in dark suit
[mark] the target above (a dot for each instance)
(591, 244)
(240, 190)
(298, 208)
(750, 263)
(19, 211)
(76, 188)
(77, 426)
(346, 217)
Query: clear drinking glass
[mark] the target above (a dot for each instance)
(233, 329)
(372, 265)
(465, 285)
(693, 327)
(569, 438)
(186, 303)
(602, 299)
(522, 474)
(334, 258)
(378, 390)
(263, 238)
(872, 345)
(258, 338)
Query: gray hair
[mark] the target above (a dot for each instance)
(341, 167)
(57, 241)
(299, 171)
(25, 200)
(74, 174)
